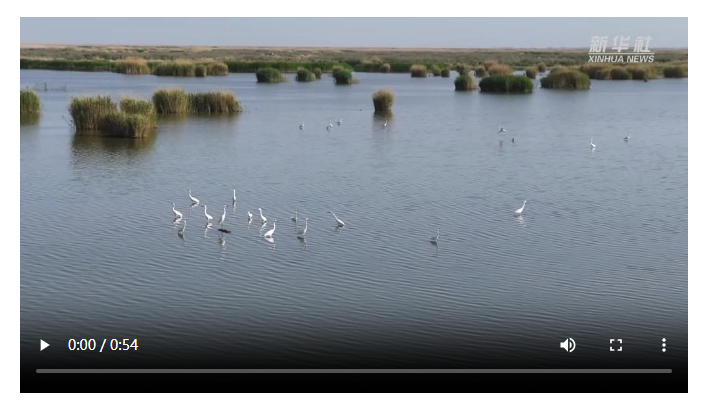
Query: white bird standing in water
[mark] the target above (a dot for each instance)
(435, 239)
(592, 145)
(249, 215)
(177, 214)
(263, 218)
(501, 129)
(181, 232)
(519, 211)
(339, 122)
(192, 198)
(330, 126)
(339, 223)
(302, 233)
(209, 217)
(224, 216)
(269, 233)
(385, 125)
(294, 218)
(302, 125)
(234, 196)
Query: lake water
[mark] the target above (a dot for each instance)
(600, 251)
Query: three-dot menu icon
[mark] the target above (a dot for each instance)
(663, 344)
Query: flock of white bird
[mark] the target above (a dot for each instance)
(302, 234)
(268, 236)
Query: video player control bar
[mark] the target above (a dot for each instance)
(354, 370)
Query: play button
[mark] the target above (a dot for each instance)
(42, 345)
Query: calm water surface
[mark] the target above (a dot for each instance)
(600, 252)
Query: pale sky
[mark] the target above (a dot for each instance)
(353, 32)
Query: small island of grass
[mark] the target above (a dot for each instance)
(29, 102)
(464, 83)
(383, 100)
(506, 84)
(418, 71)
(304, 75)
(566, 79)
(269, 75)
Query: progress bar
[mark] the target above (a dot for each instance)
(354, 371)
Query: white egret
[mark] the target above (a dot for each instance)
(519, 211)
(263, 218)
(330, 126)
(592, 145)
(208, 216)
(501, 129)
(339, 122)
(269, 233)
(234, 196)
(302, 125)
(224, 215)
(435, 239)
(294, 218)
(177, 213)
(249, 215)
(192, 198)
(385, 125)
(339, 223)
(303, 233)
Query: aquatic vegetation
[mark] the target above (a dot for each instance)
(384, 68)
(531, 72)
(643, 71)
(138, 107)
(217, 69)
(489, 63)
(213, 102)
(480, 71)
(675, 71)
(269, 75)
(506, 84)
(82, 65)
(461, 69)
(383, 100)
(566, 79)
(171, 101)
(122, 124)
(29, 102)
(343, 77)
(465, 82)
(613, 73)
(337, 69)
(317, 73)
(499, 69)
(88, 112)
(304, 75)
(200, 71)
(418, 71)
(435, 71)
(178, 68)
(132, 66)
(445, 72)
(541, 67)
(591, 69)
(247, 66)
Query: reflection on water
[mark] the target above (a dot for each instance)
(29, 119)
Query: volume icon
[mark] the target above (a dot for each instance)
(568, 344)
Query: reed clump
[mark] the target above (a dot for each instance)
(591, 69)
(506, 84)
(87, 113)
(464, 82)
(383, 100)
(317, 73)
(613, 73)
(29, 102)
(541, 67)
(213, 102)
(269, 75)
(489, 63)
(132, 66)
(384, 68)
(343, 77)
(499, 69)
(171, 101)
(445, 72)
(200, 71)
(178, 68)
(461, 69)
(642, 71)
(480, 71)
(435, 71)
(566, 79)
(217, 69)
(675, 71)
(138, 107)
(531, 72)
(304, 75)
(418, 71)
(122, 124)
